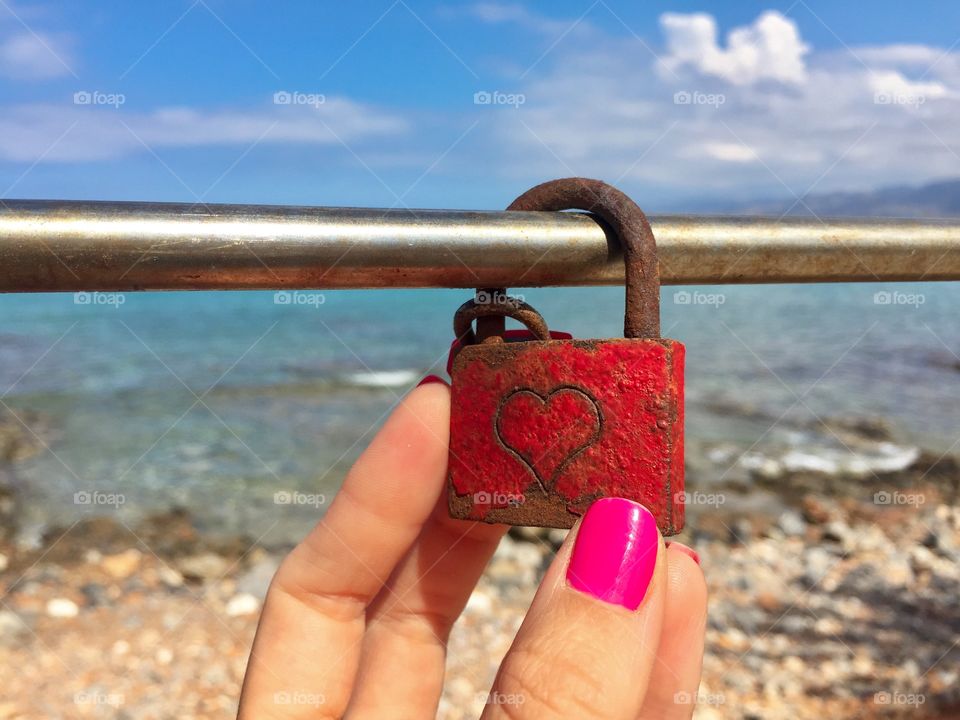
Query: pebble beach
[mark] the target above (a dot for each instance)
(841, 604)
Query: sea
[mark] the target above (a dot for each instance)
(247, 408)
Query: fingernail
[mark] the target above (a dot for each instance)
(431, 379)
(689, 551)
(615, 552)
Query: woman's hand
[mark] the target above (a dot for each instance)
(356, 620)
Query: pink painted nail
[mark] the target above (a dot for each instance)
(431, 379)
(686, 550)
(615, 552)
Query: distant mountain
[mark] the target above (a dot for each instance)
(937, 199)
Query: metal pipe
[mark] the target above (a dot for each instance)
(121, 246)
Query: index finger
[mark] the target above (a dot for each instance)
(310, 635)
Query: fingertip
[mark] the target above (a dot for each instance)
(431, 399)
(411, 447)
(685, 549)
(428, 405)
(687, 584)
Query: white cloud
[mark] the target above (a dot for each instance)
(494, 13)
(29, 56)
(894, 85)
(900, 54)
(734, 152)
(769, 49)
(74, 133)
(605, 109)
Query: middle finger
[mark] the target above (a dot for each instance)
(404, 650)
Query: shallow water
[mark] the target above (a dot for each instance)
(219, 401)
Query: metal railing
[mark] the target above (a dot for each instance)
(123, 246)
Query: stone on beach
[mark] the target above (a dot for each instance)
(242, 604)
(62, 608)
(121, 565)
(204, 566)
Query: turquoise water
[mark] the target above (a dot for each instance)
(217, 401)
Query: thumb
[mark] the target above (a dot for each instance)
(588, 644)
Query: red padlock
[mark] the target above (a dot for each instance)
(542, 427)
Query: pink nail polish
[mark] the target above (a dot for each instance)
(615, 552)
(431, 379)
(686, 550)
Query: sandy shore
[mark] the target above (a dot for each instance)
(841, 605)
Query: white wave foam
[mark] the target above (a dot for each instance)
(382, 378)
(884, 457)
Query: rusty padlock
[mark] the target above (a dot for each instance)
(541, 427)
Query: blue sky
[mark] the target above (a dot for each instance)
(429, 104)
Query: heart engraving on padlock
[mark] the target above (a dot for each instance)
(568, 415)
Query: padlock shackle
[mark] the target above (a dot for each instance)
(504, 307)
(629, 225)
